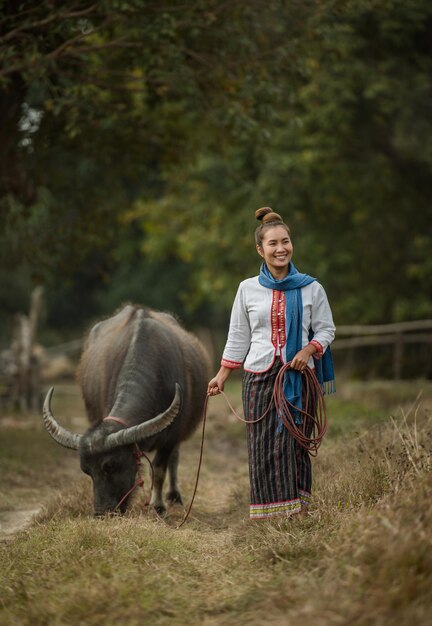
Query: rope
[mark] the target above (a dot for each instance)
(319, 422)
(138, 456)
(241, 419)
(140, 482)
(284, 409)
(199, 465)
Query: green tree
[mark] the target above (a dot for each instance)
(99, 101)
(357, 157)
(346, 158)
(139, 137)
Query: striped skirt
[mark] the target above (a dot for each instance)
(280, 470)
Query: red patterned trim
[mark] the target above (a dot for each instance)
(319, 349)
(278, 328)
(289, 507)
(231, 364)
(282, 325)
(274, 316)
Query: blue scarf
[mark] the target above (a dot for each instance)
(324, 371)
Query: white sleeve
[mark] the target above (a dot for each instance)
(239, 334)
(321, 318)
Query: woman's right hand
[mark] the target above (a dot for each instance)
(215, 386)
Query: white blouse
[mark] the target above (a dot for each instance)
(257, 327)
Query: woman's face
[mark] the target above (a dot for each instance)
(276, 250)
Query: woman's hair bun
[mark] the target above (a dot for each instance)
(259, 213)
(266, 214)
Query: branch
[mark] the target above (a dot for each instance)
(62, 49)
(67, 44)
(47, 20)
(112, 44)
(197, 57)
(122, 81)
(21, 14)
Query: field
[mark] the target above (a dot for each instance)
(363, 556)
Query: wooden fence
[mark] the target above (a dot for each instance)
(357, 336)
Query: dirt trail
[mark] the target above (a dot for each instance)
(17, 519)
(25, 497)
(26, 503)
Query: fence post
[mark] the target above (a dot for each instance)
(397, 356)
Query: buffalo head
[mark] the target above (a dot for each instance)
(108, 454)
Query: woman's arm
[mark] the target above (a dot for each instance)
(322, 319)
(323, 329)
(237, 345)
(239, 333)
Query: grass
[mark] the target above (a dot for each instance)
(30, 462)
(363, 556)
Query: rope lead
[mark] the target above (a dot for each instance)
(285, 409)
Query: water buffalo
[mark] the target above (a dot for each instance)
(141, 368)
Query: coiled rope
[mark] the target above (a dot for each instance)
(313, 396)
(315, 424)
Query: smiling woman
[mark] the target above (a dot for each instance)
(279, 317)
(274, 244)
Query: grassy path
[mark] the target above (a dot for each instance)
(362, 557)
(31, 471)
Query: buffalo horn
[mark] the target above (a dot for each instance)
(134, 434)
(58, 433)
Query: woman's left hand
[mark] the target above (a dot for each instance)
(301, 359)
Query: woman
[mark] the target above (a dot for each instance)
(279, 316)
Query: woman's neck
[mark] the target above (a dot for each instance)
(281, 274)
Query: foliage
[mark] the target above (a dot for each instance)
(347, 160)
(362, 156)
(138, 136)
(98, 99)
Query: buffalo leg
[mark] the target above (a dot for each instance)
(160, 464)
(173, 495)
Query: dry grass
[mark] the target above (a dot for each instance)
(363, 556)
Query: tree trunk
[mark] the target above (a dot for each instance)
(26, 391)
